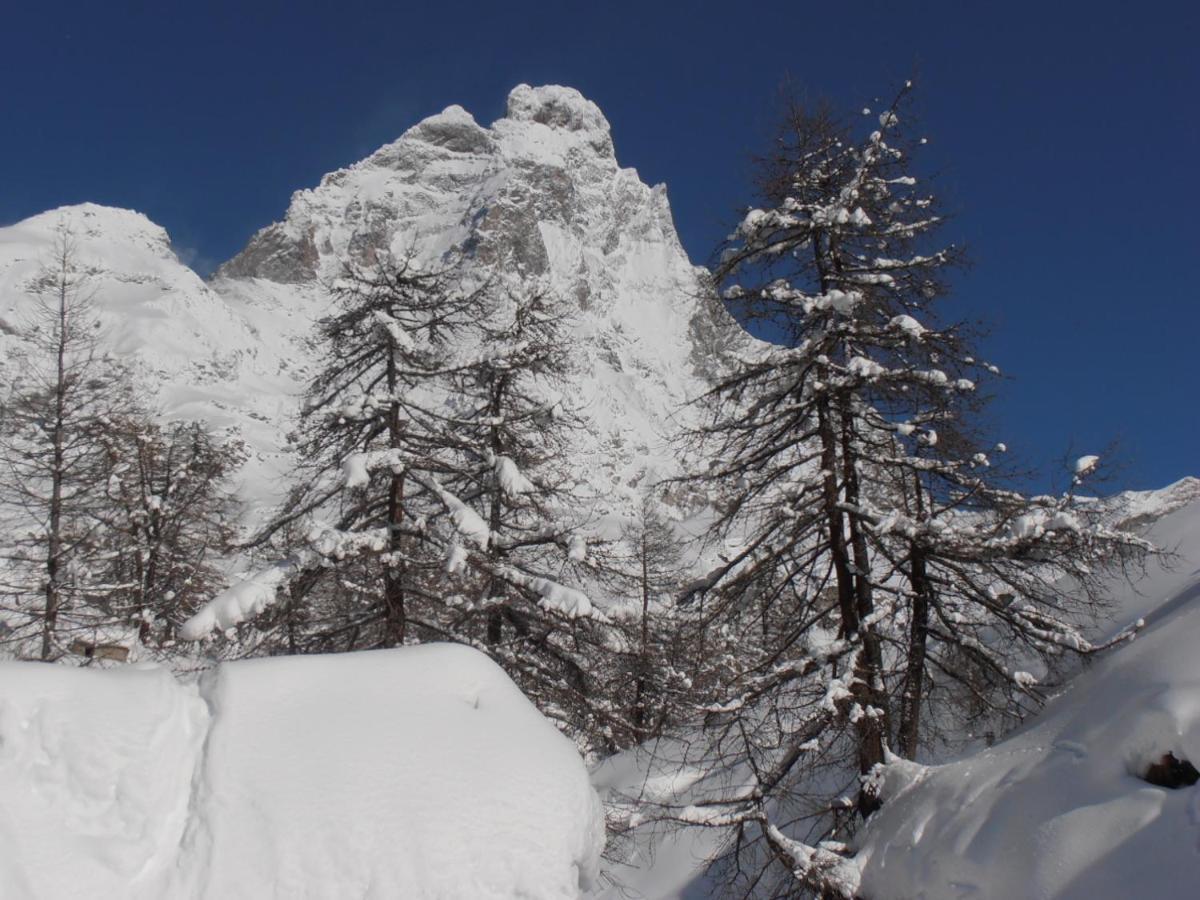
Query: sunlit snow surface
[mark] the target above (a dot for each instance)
(1052, 813)
(1056, 811)
(419, 773)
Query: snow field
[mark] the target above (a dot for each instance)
(1057, 811)
(416, 773)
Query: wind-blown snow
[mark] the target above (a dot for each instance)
(416, 773)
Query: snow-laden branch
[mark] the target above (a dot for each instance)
(466, 521)
(357, 467)
(568, 601)
(241, 601)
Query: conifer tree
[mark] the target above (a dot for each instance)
(870, 549)
(169, 521)
(519, 557)
(373, 432)
(55, 464)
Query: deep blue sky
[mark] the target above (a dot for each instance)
(1066, 135)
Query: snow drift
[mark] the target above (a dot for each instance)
(1058, 811)
(415, 773)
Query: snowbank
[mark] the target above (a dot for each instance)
(1052, 813)
(415, 773)
(1057, 811)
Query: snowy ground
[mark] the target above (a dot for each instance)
(1054, 812)
(417, 773)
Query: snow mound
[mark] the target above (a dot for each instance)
(1058, 811)
(95, 771)
(415, 773)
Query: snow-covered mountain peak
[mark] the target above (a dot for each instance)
(94, 231)
(563, 109)
(538, 196)
(449, 183)
(453, 129)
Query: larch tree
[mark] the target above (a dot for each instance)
(56, 466)
(373, 435)
(868, 551)
(170, 520)
(434, 502)
(519, 556)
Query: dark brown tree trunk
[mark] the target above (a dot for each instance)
(640, 717)
(394, 571)
(908, 736)
(868, 677)
(854, 601)
(495, 620)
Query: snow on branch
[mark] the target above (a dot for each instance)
(357, 467)
(510, 478)
(570, 602)
(1085, 466)
(817, 867)
(399, 337)
(240, 601)
(466, 521)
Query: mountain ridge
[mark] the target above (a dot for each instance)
(538, 195)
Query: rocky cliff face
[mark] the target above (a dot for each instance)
(538, 194)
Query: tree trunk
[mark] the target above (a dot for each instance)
(908, 737)
(640, 718)
(495, 620)
(54, 537)
(868, 677)
(394, 570)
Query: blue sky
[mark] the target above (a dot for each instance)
(1064, 134)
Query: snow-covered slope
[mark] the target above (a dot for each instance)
(1058, 810)
(420, 773)
(229, 360)
(538, 195)
(1053, 812)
